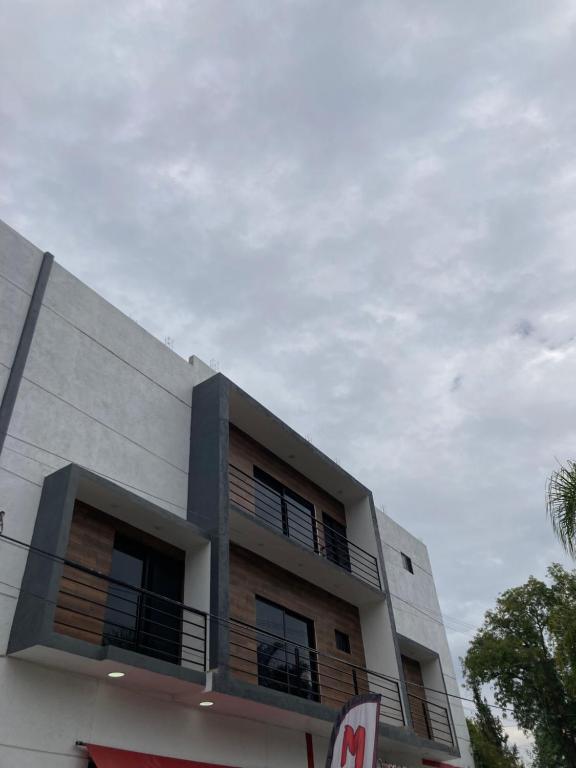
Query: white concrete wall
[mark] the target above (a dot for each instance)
(19, 265)
(99, 390)
(196, 595)
(418, 617)
(360, 527)
(44, 712)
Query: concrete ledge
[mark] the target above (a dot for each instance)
(223, 682)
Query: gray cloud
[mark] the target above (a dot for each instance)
(363, 210)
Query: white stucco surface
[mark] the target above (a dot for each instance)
(44, 712)
(418, 617)
(19, 265)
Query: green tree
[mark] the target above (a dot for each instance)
(561, 505)
(526, 649)
(489, 743)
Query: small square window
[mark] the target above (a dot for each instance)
(342, 641)
(407, 563)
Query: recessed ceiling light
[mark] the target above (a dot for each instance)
(116, 674)
(206, 703)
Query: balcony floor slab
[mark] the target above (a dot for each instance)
(255, 535)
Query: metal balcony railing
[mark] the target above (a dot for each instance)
(263, 658)
(300, 524)
(106, 611)
(430, 719)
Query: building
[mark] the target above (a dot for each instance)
(181, 573)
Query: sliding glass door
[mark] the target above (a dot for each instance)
(284, 509)
(144, 622)
(286, 659)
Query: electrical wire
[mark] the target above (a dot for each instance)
(68, 460)
(119, 357)
(103, 424)
(57, 558)
(20, 288)
(99, 343)
(107, 426)
(453, 619)
(414, 562)
(437, 618)
(11, 472)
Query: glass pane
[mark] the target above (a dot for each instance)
(121, 621)
(300, 520)
(336, 542)
(160, 633)
(272, 665)
(284, 660)
(268, 499)
(299, 658)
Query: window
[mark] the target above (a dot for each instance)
(286, 660)
(407, 563)
(284, 509)
(146, 623)
(342, 641)
(336, 542)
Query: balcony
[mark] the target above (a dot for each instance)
(101, 624)
(293, 518)
(77, 619)
(267, 660)
(105, 611)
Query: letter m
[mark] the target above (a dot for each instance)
(353, 742)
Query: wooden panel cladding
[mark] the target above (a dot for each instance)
(416, 697)
(251, 576)
(246, 453)
(82, 599)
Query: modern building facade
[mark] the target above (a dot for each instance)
(182, 574)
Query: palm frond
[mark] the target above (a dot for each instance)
(561, 505)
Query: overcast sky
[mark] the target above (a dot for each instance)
(364, 211)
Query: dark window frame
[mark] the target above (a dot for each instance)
(291, 526)
(156, 632)
(407, 563)
(336, 542)
(342, 640)
(264, 676)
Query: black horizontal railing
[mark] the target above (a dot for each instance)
(269, 660)
(430, 719)
(107, 611)
(300, 524)
(440, 727)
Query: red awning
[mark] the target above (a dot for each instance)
(107, 757)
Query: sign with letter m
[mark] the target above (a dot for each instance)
(355, 734)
